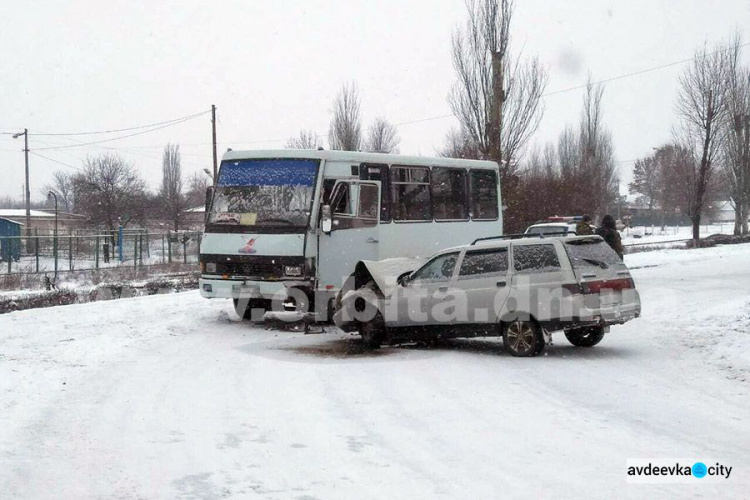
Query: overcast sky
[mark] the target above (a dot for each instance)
(273, 68)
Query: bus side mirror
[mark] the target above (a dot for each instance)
(326, 222)
(209, 196)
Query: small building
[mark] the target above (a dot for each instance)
(194, 218)
(10, 243)
(723, 212)
(44, 221)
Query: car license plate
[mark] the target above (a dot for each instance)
(246, 291)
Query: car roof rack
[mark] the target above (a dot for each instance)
(520, 236)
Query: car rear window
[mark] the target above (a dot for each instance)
(547, 230)
(535, 259)
(591, 253)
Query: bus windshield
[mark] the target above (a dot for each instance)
(273, 192)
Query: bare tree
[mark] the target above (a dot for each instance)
(345, 130)
(598, 169)
(108, 188)
(172, 200)
(736, 151)
(382, 137)
(196, 191)
(702, 105)
(677, 169)
(497, 97)
(62, 185)
(647, 181)
(458, 144)
(307, 139)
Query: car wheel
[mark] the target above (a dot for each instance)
(523, 338)
(373, 332)
(585, 337)
(244, 308)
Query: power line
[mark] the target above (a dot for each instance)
(170, 124)
(174, 120)
(635, 73)
(578, 87)
(55, 161)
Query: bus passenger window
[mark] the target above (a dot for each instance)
(410, 193)
(484, 194)
(368, 201)
(450, 197)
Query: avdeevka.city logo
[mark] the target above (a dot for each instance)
(672, 471)
(700, 470)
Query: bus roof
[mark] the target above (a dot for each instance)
(356, 156)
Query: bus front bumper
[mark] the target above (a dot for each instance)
(211, 288)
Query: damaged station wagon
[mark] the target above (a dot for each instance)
(519, 288)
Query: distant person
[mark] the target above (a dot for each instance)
(608, 231)
(584, 226)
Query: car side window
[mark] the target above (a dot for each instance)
(438, 269)
(476, 263)
(535, 258)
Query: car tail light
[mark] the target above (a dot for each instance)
(591, 287)
(573, 288)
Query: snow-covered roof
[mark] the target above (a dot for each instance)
(21, 212)
(200, 209)
(16, 213)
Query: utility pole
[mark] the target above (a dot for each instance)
(213, 126)
(25, 135)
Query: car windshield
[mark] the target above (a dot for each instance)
(264, 192)
(591, 253)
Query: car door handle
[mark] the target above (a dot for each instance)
(585, 276)
(443, 289)
(501, 284)
(371, 240)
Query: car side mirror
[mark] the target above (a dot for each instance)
(326, 221)
(209, 197)
(403, 278)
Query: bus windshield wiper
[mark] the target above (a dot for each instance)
(599, 263)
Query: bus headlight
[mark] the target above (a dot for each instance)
(293, 270)
(211, 267)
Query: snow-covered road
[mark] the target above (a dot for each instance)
(171, 396)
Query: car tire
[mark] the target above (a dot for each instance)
(259, 305)
(523, 338)
(585, 337)
(373, 332)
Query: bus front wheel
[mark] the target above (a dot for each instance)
(251, 309)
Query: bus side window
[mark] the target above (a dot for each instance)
(368, 202)
(410, 193)
(450, 198)
(379, 172)
(328, 185)
(344, 200)
(483, 195)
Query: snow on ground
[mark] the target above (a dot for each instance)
(653, 234)
(171, 396)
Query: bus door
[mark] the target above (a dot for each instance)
(354, 236)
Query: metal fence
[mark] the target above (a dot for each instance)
(81, 252)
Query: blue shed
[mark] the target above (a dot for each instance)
(10, 247)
